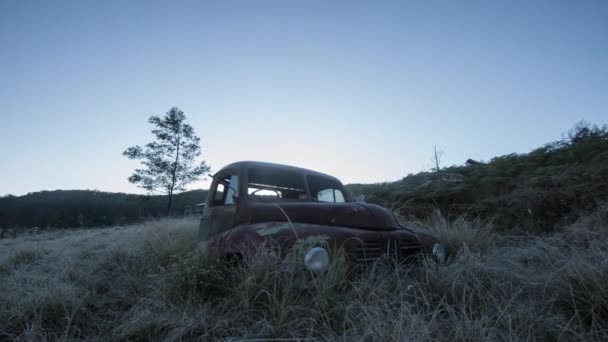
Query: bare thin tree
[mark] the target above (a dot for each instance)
(437, 158)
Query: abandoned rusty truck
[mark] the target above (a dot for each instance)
(302, 213)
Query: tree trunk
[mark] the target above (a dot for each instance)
(173, 178)
(170, 203)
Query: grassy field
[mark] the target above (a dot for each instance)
(146, 282)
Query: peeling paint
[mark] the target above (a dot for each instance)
(271, 228)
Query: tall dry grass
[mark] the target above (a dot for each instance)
(147, 282)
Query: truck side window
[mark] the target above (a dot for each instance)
(233, 189)
(339, 196)
(219, 194)
(326, 195)
(226, 190)
(330, 195)
(325, 189)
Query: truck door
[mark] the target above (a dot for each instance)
(220, 211)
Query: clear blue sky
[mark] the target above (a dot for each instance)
(359, 89)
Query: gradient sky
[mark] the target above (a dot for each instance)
(362, 90)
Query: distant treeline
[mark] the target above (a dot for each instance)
(87, 208)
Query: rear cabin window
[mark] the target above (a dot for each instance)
(268, 185)
(325, 189)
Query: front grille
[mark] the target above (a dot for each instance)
(399, 250)
(369, 251)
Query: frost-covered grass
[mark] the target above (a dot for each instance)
(146, 282)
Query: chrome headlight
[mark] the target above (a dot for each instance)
(316, 259)
(439, 252)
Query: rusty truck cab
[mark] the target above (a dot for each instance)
(239, 185)
(251, 204)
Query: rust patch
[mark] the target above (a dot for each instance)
(271, 228)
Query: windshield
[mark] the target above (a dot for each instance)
(268, 185)
(276, 185)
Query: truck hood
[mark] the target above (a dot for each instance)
(352, 214)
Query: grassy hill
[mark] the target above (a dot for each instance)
(532, 192)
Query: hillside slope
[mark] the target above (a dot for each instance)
(532, 191)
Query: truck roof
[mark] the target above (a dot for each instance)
(248, 164)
